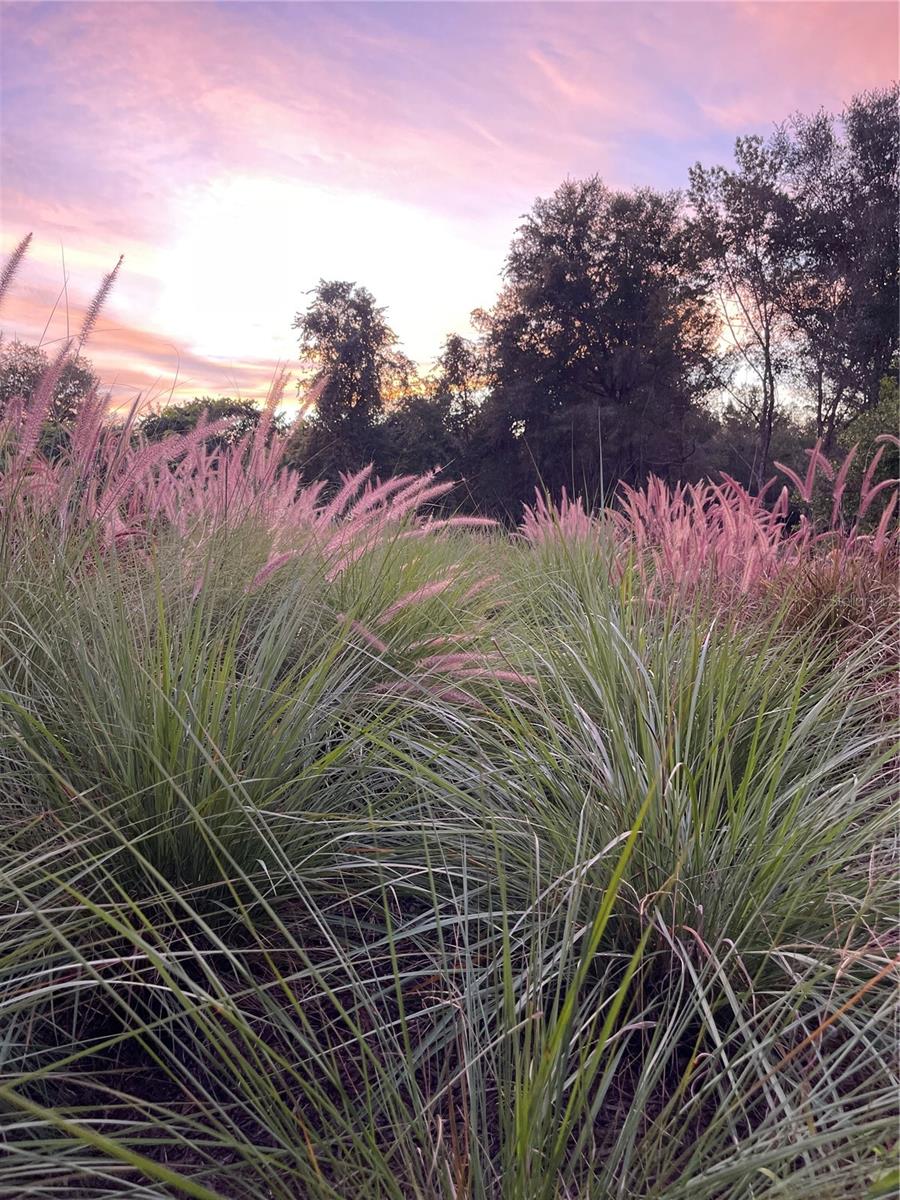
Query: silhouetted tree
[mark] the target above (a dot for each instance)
(418, 435)
(742, 222)
(352, 355)
(803, 242)
(842, 249)
(733, 446)
(637, 333)
(460, 380)
(599, 347)
(431, 424)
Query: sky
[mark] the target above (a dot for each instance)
(236, 153)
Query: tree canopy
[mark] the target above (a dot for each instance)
(600, 346)
(23, 365)
(354, 365)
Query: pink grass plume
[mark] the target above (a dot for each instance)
(365, 634)
(418, 596)
(274, 564)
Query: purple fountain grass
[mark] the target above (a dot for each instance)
(706, 535)
(420, 594)
(377, 493)
(480, 586)
(350, 487)
(364, 633)
(141, 464)
(837, 478)
(421, 490)
(719, 537)
(840, 485)
(37, 410)
(566, 519)
(497, 675)
(880, 537)
(193, 487)
(451, 661)
(805, 486)
(87, 431)
(272, 565)
(868, 491)
(345, 561)
(431, 525)
(114, 480)
(12, 265)
(96, 305)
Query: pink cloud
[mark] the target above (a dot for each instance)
(131, 360)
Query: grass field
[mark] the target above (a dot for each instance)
(354, 854)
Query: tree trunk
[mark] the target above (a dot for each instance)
(766, 418)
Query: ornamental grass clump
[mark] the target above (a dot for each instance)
(722, 543)
(624, 927)
(354, 853)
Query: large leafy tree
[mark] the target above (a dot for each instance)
(842, 247)
(418, 435)
(354, 367)
(599, 346)
(742, 222)
(21, 368)
(459, 383)
(433, 424)
(801, 239)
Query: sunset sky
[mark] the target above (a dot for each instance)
(235, 153)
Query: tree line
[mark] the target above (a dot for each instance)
(680, 333)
